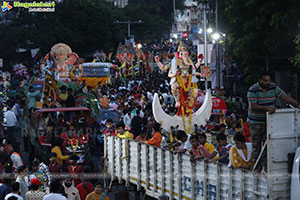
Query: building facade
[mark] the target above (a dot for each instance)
(119, 3)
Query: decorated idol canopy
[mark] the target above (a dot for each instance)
(62, 58)
(182, 72)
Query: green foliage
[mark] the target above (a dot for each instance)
(85, 25)
(259, 31)
(296, 59)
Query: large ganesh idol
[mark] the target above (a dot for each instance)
(183, 83)
(181, 71)
(63, 59)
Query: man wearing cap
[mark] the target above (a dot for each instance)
(34, 193)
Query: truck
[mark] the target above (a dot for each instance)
(94, 72)
(160, 172)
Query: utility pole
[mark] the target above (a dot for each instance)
(128, 24)
(174, 10)
(204, 6)
(217, 48)
(174, 19)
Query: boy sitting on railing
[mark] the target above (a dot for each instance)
(110, 130)
(179, 145)
(195, 150)
(121, 133)
(157, 137)
(206, 149)
(222, 150)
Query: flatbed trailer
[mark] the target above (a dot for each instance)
(159, 171)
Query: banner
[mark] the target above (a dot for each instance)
(205, 72)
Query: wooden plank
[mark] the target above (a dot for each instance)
(193, 179)
(218, 186)
(170, 176)
(205, 185)
(138, 166)
(154, 166)
(112, 159)
(147, 166)
(162, 170)
(120, 160)
(179, 175)
(127, 160)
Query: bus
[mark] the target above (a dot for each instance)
(94, 72)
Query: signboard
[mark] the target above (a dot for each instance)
(1, 62)
(205, 72)
(218, 106)
(200, 50)
(185, 35)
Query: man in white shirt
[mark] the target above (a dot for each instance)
(127, 118)
(10, 118)
(16, 109)
(11, 129)
(54, 192)
(16, 159)
(70, 190)
(15, 186)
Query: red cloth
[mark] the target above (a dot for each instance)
(55, 168)
(136, 96)
(75, 171)
(35, 181)
(155, 140)
(110, 132)
(83, 192)
(148, 68)
(246, 132)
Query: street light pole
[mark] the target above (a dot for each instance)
(128, 24)
(128, 29)
(174, 9)
(217, 48)
(205, 7)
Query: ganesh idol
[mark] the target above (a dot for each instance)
(182, 72)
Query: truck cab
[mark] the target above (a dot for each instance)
(94, 72)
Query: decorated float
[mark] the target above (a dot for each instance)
(183, 83)
(60, 66)
(133, 61)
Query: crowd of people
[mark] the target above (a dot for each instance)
(230, 140)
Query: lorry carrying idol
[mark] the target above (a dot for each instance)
(160, 172)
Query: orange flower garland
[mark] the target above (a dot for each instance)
(74, 147)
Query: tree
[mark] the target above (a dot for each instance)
(260, 33)
(157, 16)
(85, 25)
